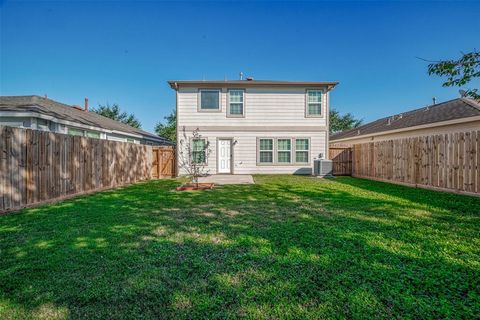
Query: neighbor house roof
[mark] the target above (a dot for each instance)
(175, 84)
(48, 107)
(450, 110)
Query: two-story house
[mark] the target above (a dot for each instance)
(254, 126)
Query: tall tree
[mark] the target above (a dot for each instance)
(113, 112)
(169, 129)
(344, 122)
(459, 72)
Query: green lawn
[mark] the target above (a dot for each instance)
(287, 247)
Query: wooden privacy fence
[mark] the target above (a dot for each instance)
(341, 160)
(446, 161)
(163, 164)
(38, 166)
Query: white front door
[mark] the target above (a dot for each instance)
(224, 156)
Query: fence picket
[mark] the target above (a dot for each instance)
(448, 161)
(38, 166)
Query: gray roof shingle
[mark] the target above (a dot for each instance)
(445, 111)
(66, 112)
(174, 84)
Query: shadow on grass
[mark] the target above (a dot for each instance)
(287, 247)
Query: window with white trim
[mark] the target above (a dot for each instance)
(16, 124)
(314, 102)
(75, 132)
(93, 134)
(43, 124)
(236, 102)
(302, 149)
(265, 151)
(209, 100)
(284, 150)
(281, 151)
(199, 149)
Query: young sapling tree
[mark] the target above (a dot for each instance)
(193, 155)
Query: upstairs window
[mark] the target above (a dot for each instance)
(199, 148)
(265, 151)
(284, 150)
(314, 103)
(236, 102)
(209, 100)
(301, 150)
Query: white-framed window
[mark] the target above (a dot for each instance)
(93, 134)
(302, 150)
(284, 150)
(236, 102)
(199, 150)
(16, 124)
(132, 140)
(265, 150)
(43, 124)
(314, 103)
(75, 132)
(209, 100)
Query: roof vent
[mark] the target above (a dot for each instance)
(358, 132)
(249, 78)
(434, 100)
(396, 117)
(241, 75)
(77, 107)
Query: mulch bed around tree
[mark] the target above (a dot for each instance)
(195, 186)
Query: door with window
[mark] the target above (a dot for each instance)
(224, 155)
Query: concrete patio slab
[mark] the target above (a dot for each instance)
(223, 179)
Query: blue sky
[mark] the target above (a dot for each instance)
(124, 52)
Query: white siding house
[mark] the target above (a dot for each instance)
(41, 113)
(254, 126)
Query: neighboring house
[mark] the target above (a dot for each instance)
(254, 126)
(44, 114)
(456, 115)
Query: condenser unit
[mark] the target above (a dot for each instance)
(322, 168)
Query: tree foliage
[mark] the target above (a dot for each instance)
(187, 156)
(344, 122)
(169, 129)
(459, 72)
(113, 112)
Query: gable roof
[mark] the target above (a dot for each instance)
(449, 110)
(175, 84)
(61, 111)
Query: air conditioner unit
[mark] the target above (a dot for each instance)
(322, 168)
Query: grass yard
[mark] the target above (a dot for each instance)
(287, 247)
